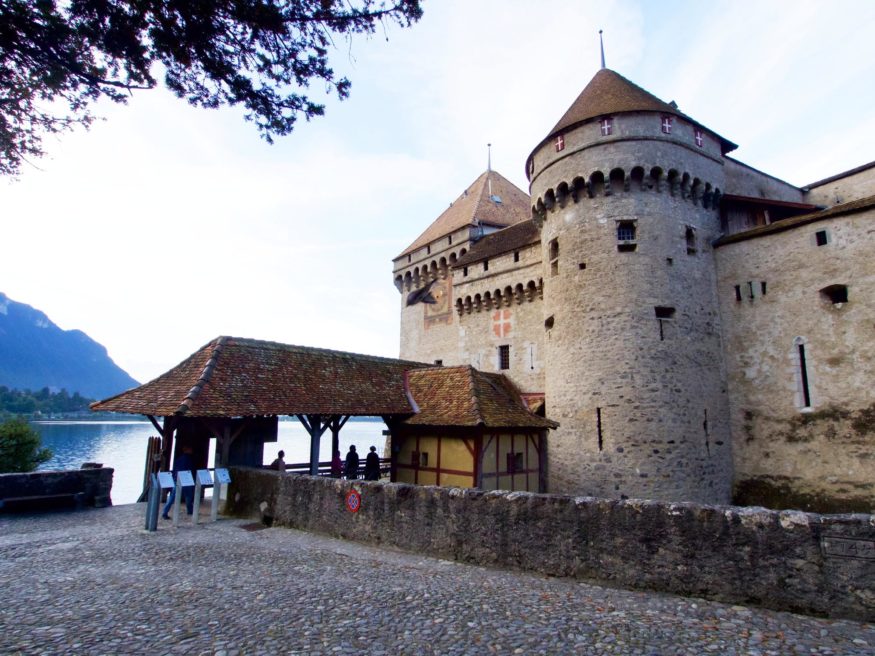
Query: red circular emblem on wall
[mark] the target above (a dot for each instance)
(353, 501)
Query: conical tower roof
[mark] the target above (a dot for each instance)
(505, 205)
(609, 93)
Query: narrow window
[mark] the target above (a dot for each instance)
(700, 139)
(560, 143)
(408, 259)
(836, 294)
(663, 313)
(428, 250)
(531, 166)
(439, 363)
(516, 256)
(803, 371)
(554, 257)
(666, 124)
(504, 356)
(750, 289)
(763, 287)
(423, 459)
(486, 265)
(598, 427)
(820, 237)
(549, 322)
(607, 126)
(450, 240)
(737, 292)
(464, 271)
(690, 236)
(626, 235)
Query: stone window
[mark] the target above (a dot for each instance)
(820, 237)
(801, 360)
(408, 259)
(607, 127)
(439, 363)
(560, 143)
(690, 237)
(663, 313)
(738, 292)
(531, 166)
(504, 356)
(581, 265)
(835, 294)
(554, 257)
(598, 426)
(486, 265)
(549, 322)
(700, 138)
(626, 236)
(450, 240)
(428, 250)
(667, 122)
(516, 256)
(763, 287)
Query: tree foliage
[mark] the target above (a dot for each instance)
(57, 58)
(21, 449)
(25, 402)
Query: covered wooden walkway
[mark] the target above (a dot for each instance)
(235, 390)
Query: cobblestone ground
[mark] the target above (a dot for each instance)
(93, 582)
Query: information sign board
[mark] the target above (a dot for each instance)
(223, 476)
(165, 480)
(203, 477)
(185, 478)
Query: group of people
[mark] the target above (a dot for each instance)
(349, 468)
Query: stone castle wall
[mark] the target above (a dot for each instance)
(821, 564)
(743, 180)
(635, 374)
(845, 189)
(817, 455)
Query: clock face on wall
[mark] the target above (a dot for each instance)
(441, 310)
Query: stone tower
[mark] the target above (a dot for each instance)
(625, 189)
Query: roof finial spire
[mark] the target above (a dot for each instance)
(602, 44)
(489, 167)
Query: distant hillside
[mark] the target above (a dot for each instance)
(35, 353)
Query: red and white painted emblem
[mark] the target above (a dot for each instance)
(560, 143)
(666, 124)
(502, 323)
(607, 126)
(353, 501)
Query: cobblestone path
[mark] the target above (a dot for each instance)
(92, 582)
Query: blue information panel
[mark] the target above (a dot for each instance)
(203, 477)
(223, 476)
(185, 478)
(165, 480)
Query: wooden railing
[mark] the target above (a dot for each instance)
(325, 468)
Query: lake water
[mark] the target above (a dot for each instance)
(122, 446)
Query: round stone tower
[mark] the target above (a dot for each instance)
(626, 189)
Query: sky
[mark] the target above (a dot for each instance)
(165, 226)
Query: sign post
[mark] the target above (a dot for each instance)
(203, 480)
(165, 482)
(153, 502)
(183, 479)
(223, 477)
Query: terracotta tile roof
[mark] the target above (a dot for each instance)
(860, 205)
(610, 93)
(463, 396)
(505, 240)
(476, 205)
(233, 377)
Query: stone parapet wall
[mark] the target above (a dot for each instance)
(789, 560)
(93, 484)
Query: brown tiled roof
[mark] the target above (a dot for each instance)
(503, 241)
(463, 396)
(234, 377)
(796, 221)
(610, 93)
(476, 205)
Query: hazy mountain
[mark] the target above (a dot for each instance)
(35, 353)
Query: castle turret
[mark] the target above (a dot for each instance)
(625, 188)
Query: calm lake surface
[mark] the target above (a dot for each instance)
(122, 446)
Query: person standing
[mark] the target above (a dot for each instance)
(279, 462)
(372, 465)
(181, 462)
(351, 470)
(336, 465)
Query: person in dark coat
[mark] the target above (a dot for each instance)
(372, 465)
(351, 469)
(336, 465)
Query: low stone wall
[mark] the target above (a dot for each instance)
(93, 484)
(786, 560)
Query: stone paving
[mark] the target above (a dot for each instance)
(93, 582)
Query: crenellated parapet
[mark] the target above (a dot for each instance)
(422, 274)
(638, 179)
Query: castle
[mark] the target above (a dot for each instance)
(700, 330)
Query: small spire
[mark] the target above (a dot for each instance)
(602, 44)
(489, 167)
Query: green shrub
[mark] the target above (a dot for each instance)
(20, 447)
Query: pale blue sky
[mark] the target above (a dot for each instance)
(166, 226)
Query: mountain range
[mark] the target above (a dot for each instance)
(35, 353)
